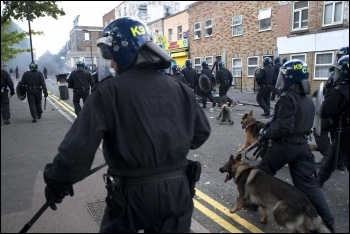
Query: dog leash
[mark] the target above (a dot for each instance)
(48, 203)
(253, 158)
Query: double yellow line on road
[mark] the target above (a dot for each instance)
(198, 205)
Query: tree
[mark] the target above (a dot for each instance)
(18, 10)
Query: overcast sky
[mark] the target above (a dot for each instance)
(56, 32)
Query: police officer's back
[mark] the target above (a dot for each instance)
(189, 74)
(35, 83)
(80, 81)
(6, 84)
(208, 95)
(264, 79)
(177, 74)
(148, 122)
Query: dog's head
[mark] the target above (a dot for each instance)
(247, 119)
(233, 167)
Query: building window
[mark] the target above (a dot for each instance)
(197, 64)
(332, 12)
(237, 26)
(300, 15)
(323, 61)
(299, 56)
(236, 67)
(209, 60)
(120, 13)
(124, 11)
(179, 32)
(208, 28)
(252, 64)
(143, 9)
(264, 19)
(170, 34)
(197, 30)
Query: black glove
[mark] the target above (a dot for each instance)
(46, 94)
(12, 93)
(59, 194)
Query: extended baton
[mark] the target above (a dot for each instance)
(45, 104)
(48, 203)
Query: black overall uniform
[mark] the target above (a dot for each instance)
(190, 76)
(148, 127)
(264, 80)
(291, 123)
(209, 94)
(6, 84)
(336, 107)
(224, 78)
(35, 82)
(180, 77)
(80, 81)
(276, 69)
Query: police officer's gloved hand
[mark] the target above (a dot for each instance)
(12, 93)
(57, 194)
(46, 94)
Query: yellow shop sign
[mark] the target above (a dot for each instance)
(160, 39)
(176, 44)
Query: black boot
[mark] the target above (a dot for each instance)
(6, 121)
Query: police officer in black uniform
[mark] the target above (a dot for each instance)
(289, 129)
(205, 95)
(189, 74)
(6, 84)
(336, 107)
(35, 84)
(276, 70)
(80, 81)
(177, 74)
(148, 124)
(264, 80)
(224, 78)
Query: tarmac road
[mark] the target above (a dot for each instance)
(26, 147)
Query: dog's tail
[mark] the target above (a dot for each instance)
(313, 221)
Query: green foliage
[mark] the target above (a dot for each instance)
(18, 10)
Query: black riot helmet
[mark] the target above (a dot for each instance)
(341, 69)
(267, 61)
(341, 52)
(176, 69)
(80, 66)
(188, 63)
(128, 42)
(33, 66)
(205, 64)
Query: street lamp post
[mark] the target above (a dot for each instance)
(30, 32)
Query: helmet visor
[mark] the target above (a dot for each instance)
(281, 78)
(105, 68)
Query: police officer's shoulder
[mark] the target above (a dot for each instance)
(101, 82)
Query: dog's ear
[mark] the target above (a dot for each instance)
(238, 157)
(251, 112)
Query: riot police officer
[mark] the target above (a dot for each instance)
(264, 80)
(177, 74)
(205, 95)
(276, 69)
(148, 123)
(6, 84)
(284, 60)
(35, 85)
(289, 129)
(189, 74)
(224, 78)
(80, 81)
(336, 107)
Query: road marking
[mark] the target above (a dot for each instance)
(65, 106)
(225, 211)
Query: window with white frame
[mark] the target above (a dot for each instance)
(120, 13)
(323, 61)
(170, 34)
(124, 11)
(237, 26)
(179, 32)
(300, 15)
(252, 64)
(197, 64)
(332, 12)
(236, 67)
(143, 9)
(302, 57)
(197, 30)
(208, 28)
(209, 60)
(264, 19)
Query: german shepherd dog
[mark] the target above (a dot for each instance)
(252, 128)
(290, 207)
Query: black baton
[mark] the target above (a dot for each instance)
(48, 203)
(45, 104)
